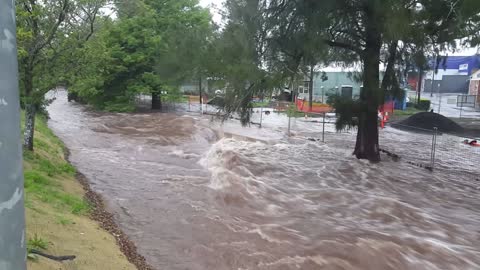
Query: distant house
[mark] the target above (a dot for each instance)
(452, 76)
(192, 87)
(339, 80)
(474, 86)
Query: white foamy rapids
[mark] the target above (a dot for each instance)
(316, 194)
(289, 203)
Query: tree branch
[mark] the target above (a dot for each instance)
(53, 31)
(343, 46)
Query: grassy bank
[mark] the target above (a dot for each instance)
(409, 111)
(57, 214)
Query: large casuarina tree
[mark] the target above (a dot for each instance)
(373, 31)
(369, 33)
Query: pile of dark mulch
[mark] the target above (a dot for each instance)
(427, 121)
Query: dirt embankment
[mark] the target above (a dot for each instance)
(107, 222)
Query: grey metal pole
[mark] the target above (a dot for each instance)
(439, 99)
(261, 116)
(13, 252)
(289, 124)
(434, 148)
(323, 129)
(323, 95)
(461, 110)
(433, 75)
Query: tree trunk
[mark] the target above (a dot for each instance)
(30, 109)
(310, 90)
(419, 85)
(367, 146)
(29, 126)
(156, 101)
(200, 90)
(390, 81)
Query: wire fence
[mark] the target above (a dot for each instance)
(457, 154)
(434, 150)
(412, 144)
(426, 148)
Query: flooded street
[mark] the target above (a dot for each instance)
(191, 198)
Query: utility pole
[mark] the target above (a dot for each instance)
(419, 85)
(439, 99)
(200, 93)
(12, 213)
(433, 74)
(310, 88)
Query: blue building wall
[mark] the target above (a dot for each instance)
(454, 62)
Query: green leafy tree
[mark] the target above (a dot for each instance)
(150, 49)
(44, 28)
(188, 31)
(248, 68)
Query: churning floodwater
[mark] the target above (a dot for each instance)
(191, 198)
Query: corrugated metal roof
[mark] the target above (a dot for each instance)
(341, 67)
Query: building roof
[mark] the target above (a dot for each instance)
(341, 67)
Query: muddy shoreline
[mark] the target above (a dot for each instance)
(107, 222)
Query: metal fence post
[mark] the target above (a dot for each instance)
(12, 213)
(323, 128)
(289, 124)
(261, 116)
(434, 148)
(439, 99)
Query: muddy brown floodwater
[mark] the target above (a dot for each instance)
(192, 200)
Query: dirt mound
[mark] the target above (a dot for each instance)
(428, 121)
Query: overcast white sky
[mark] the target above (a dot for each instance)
(208, 2)
(214, 6)
(464, 52)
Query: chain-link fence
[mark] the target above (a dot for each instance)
(425, 148)
(457, 154)
(412, 144)
(433, 149)
(430, 149)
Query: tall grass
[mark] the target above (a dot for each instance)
(45, 168)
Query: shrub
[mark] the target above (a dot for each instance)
(424, 105)
(120, 107)
(37, 243)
